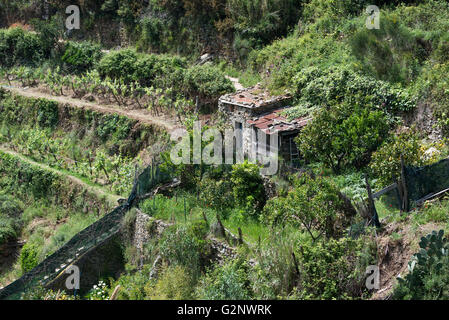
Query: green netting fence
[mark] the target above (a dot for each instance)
(87, 239)
(390, 198)
(423, 182)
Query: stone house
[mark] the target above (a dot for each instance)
(255, 110)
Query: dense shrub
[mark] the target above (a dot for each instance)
(81, 56)
(318, 9)
(432, 86)
(23, 177)
(8, 229)
(226, 282)
(180, 247)
(334, 269)
(207, 82)
(390, 53)
(20, 47)
(29, 256)
(113, 127)
(217, 193)
(441, 53)
(166, 72)
(160, 70)
(130, 66)
(47, 113)
(17, 110)
(121, 64)
(248, 187)
(343, 135)
(428, 271)
(318, 87)
(281, 61)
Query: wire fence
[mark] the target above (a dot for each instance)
(416, 185)
(425, 182)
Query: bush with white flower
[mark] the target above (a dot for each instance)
(99, 292)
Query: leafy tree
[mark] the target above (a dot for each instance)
(49, 32)
(248, 186)
(218, 193)
(386, 162)
(343, 135)
(315, 205)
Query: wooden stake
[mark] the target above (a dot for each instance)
(405, 201)
(221, 227)
(371, 205)
(185, 209)
(398, 191)
(205, 218)
(240, 237)
(114, 294)
(90, 164)
(295, 262)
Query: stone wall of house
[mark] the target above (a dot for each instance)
(234, 114)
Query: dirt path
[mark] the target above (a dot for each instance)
(236, 83)
(97, 190)
(140, 115)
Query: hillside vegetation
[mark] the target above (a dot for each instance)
(376, 97)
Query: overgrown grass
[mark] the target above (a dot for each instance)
(172, 210)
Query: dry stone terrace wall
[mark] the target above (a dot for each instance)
(146, 228)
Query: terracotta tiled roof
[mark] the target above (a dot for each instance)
(253, 97)
(275, 122)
